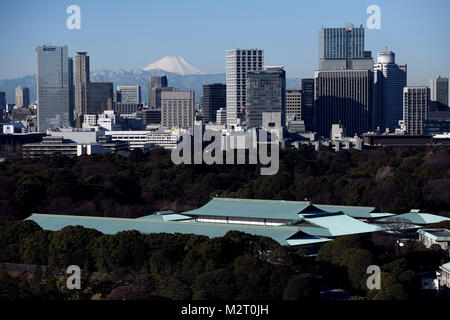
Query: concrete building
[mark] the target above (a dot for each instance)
(144, 139)
(439, 94)
(266, 92)
(178, 109)
(440, 237)
(438, 122)
(214, 97)
(53, 87)
(155, 82)
(294, 103)
(415, 109)
(443, 275)
(22, 96)
(127, 108)
(128, 94)
(389, 81)
(238, 63)
(221, 116)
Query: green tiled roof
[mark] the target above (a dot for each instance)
(114, 225)
(339, 224)
(306, 240)
(355, 212)
(416, 218)
(251, 208)
(446, 266)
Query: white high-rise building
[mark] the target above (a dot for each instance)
(178, 109)
(415, 108)
(239, 62)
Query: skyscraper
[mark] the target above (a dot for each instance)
(214, 98)
(155, 83)
(415, 108)
(344, 97)
(308, 103)
(389, 81)
(344, 82)
(239, 62)
(266, 92)
(22, 96)
(178, 109)
(439, 94)
(53, 87)
(129, 94)
(82, 71)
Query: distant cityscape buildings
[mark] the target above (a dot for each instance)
(350, 98)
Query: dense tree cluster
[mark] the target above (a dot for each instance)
(131, 265)
(392, 179)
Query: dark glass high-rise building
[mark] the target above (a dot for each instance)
(214, 98)
(389, 81)
(266, 92)
(81, 80)
(341, 43)
(53, 87)
(343, 97)
(155, 82)
(308, 103)
(99, 97)
(2, 100)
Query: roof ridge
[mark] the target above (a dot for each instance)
(261, 200)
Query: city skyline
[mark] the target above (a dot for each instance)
(291, 41)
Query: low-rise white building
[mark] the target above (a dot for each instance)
(441, 237)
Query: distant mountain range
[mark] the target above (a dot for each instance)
(180, 74)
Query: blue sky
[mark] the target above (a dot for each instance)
(134, 33)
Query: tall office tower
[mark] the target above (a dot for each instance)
(439, 94)
(343, 49)
(178, 109)
(53, 87)
(155, 83)
(344, 82)
(415, 108)
(343, 97)
(308, 103)
(294, 103)
(214, 98)
(2, 100)
(389, 81)
(129, 94)
(22, 96)
(239, 62)
(266, 92)
(99, 97)
(82, 72)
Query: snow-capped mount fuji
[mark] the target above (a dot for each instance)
(175, 65)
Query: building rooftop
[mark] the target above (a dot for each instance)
(415, 218)
(446, 266)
